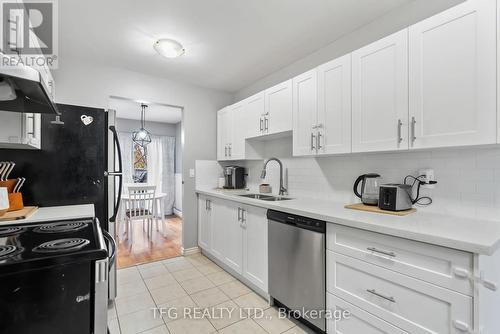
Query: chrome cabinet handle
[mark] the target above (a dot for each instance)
(239, 214)
(413, 136)
(206, 204)
(230, 148)
(375, 250)
(375, 293)
(261, 121)
(318, 144)
(400, 124)
(313, 138)
(209, 202)
(225, 150)
(266, 124)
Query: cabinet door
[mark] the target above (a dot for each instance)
(453, 77)
(221, 144)
(221, 218)
(278, 116)
(255, 110)
(237, 127)
(334, 106)
(204, 222)
(380, 95)
(255, 246)
(233, 238)
(305, 100)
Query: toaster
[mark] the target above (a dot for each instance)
(395, 197)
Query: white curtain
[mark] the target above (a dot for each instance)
(127, 148)
(161, 165)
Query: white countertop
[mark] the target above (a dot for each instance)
(471, 235)
(56, 213)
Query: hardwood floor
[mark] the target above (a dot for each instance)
(163, 244)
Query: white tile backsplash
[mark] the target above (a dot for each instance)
(468, 178)
(207, 173)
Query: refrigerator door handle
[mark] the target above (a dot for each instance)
(117, 173)
(112, 248)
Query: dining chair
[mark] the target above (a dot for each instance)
(140, 206)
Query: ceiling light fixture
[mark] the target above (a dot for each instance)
(169, 48)
(142, 136)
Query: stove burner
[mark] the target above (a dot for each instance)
(60, 227)
(8, 251)
(8, 231)
(61, 245)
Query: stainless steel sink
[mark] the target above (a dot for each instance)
(276, 198)
(265, 197)
(256, 196)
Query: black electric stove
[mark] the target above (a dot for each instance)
(52, 277)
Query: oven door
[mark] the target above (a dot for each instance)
(50, 300)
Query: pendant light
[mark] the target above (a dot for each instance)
(142, 136)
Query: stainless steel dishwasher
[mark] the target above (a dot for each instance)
(297, 278)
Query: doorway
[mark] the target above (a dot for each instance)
(149, 224)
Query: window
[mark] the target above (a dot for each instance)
(140, 164)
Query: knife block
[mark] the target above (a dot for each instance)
(15, 201)
(9, 184)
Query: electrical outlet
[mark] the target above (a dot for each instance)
(428, 178)
(191, 172)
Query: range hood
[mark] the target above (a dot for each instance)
(23, 90)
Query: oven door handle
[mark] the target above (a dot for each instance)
(112, 246)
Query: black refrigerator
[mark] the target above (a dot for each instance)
(79, 163)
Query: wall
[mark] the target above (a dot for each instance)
(155, 128)
(393, 21)
(91, 85)
(468, 178)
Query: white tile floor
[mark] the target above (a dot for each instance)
(196, 283)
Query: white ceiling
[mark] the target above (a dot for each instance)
(129, 109)
(229, 43)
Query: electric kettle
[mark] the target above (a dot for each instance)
(370, 184)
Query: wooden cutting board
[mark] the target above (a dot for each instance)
(27, 212)
(375, 209)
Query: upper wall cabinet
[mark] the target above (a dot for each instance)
(305, 106)
(224, 133)
(278, 108)
(453, 77)
(255, 109)
(334, 106)
(380, 95)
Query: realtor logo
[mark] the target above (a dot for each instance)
(29, 32)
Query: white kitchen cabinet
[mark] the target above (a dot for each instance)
(20, 130)
(334, 106)
(278, 108)
(408, 303)
(358, 321)
(255, 110)
(255, 253)
(238, 126)
(224, 133)
(304, 106)
(452, 64)
(380, 95)
(233, 237)
(205, 218)
(220, 219)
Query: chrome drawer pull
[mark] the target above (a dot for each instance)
(373, 292)
(373, 249)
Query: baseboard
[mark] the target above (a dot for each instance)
(178, 213)
(190, 251)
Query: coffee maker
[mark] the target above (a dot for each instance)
(234, 177)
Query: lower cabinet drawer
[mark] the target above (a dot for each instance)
(358, 321)
(430, 263)
(408, 303)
